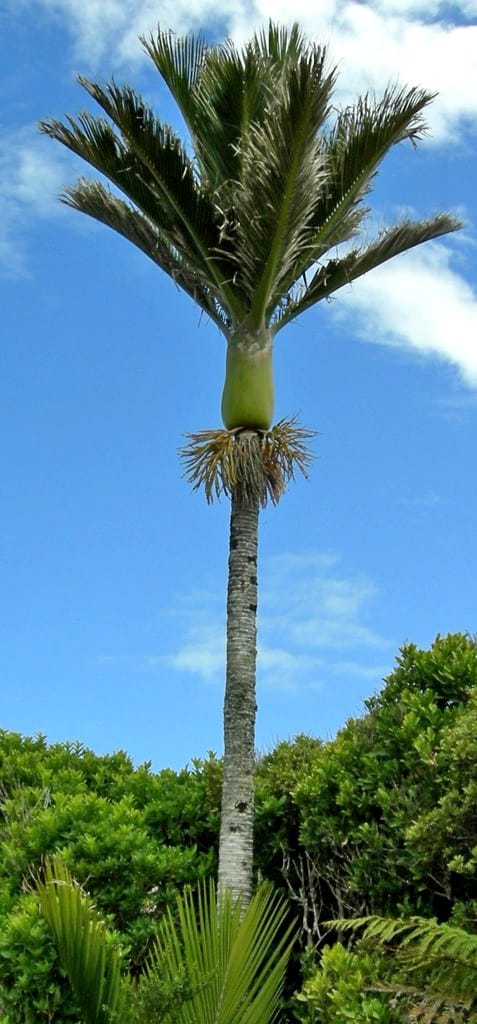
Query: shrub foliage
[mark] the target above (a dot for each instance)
(380, 821)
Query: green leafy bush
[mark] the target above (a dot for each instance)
(134, 838)
(388, 787)
(343, 989)
(33, 986)
(380, 820)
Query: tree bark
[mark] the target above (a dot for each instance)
(236, 828)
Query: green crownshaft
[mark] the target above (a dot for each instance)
(248, 397)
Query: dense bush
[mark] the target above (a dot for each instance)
(132, 837)
(345, 988)
(380, 820)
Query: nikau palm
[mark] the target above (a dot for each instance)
(256, 222)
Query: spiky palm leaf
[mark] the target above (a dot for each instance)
(336, 273)
(233, 962)
(89, 959)
(212, 962)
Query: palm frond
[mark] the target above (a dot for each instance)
(234, 94)
(253, 114)
(360, 138)
(162, 192)
(336, 273)
(282, 171)
(352, 152)
(220, 91)
(179, 60)
(150, 165)
(279, 44)
(233, 961)
(91, 963)
(160, 162)
(92, 198)
(260, 462)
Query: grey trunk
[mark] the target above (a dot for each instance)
(236, 828)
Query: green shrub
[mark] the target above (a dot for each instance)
(342, 989)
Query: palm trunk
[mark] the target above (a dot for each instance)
(236, 830)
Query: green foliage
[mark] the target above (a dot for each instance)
(344, 989)
(277, 816)
(448, 670)
(380, 820)
(33, 986)
(363, 807)
(234, 961)
(88, 954)
(438, 961)
(158, 999)
(444, 838)
(134, 837)
(210, 962)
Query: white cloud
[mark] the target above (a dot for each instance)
(306, 599)
(309, 614)
(30, 180)
(420, 302)
(182, 17)
(413, 40)
(203, 652)
(108, 30)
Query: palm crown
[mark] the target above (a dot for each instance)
(249, 224)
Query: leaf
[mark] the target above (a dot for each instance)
(330, 277)
(234, 962)
(274, 183)
(443, 954)
(91, 963)
(223, 965)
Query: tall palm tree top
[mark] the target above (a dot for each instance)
(249, 224)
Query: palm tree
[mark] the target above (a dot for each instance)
(210, 962)
(255, 220)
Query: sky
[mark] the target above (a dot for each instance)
(113, 572)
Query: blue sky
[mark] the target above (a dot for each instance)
(113, 572)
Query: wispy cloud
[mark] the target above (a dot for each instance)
(424, 502)
(30, 179)
(310, 613)
(457, 405)
(203, 651)
(418, 301)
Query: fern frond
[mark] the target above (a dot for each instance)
(442, 954)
